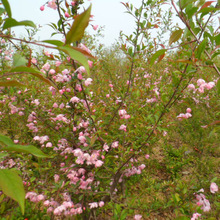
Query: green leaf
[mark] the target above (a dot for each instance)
(2, 10)
(79, 25)
(217, 39)
(206, 4)
(206, 11)
(18, 60)
(11, 146)
(218, 87)
(11, 22)
(6, 140)
(175, 36)
(190, 11)
(33, 72)
(7, 7)
(183, 3)
(201, 48)
(30, 149)
(215, 54)
(12, 83)
(208, 35)
(75, 55)
(11, 185)
(157, 55)
(93, 139)
(54, 42)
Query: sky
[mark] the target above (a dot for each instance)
(107, 13)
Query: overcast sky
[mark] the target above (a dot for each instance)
(108, 13)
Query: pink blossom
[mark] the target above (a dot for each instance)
(82, 139)
(114, 144)
(188, 110)
(41, 139)
(78, 152)
(147, 156)
(78, 87)
(46, 66)
(142, 166)
(52, 4)
(7, 58)
(61, 106)
(90, 63)
(88, 82)
(107, 95)
(213, 188)
(74, 99)
(93, 205)
(105, 147)
(55, 105)
(56, 178)
(95, 27)
(137, 217)
(59, 210)
(67, 15)
(81, 70)
(201, 89)
(34, 60)
(209, 85)
(57, 63)
(52, 71)
(123, 127)
(98, 163)
(49, 144)
(42, 8)
(200, 82)
(122, 113)
(83, 47)
(21, 113)
(40, 197)
(191, 86)
(195, 216)
(202, 201)
(101, 203)
(188, 115)
(79, 76)
(47, 203)
(73, 3)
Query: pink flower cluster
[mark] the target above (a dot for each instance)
(52, 4)
(202, 85)
(186, 115)
(66, 208)
(34, 197)
(138, 217)
(90, 159)
(62, 118)
(202, 201)
(195, 216)
(123, 114)
(213, 188)
(123, 127)
(83, 47)
(41, 139)
(134, 170)
(93, 205)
